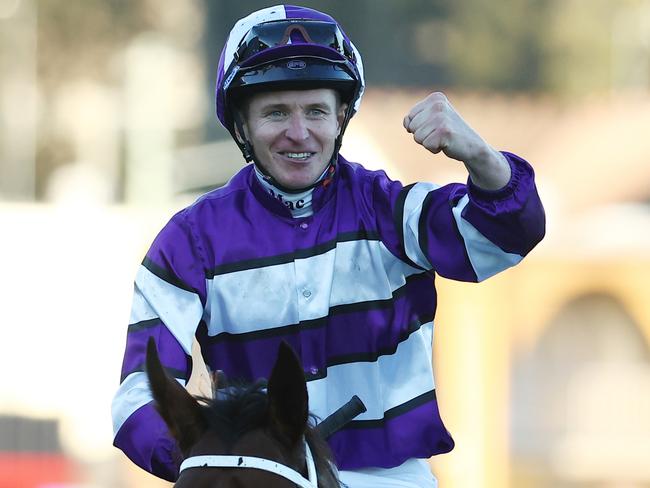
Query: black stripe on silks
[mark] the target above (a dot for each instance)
(319, 322)
(173, 372)
(144, 324)
(398, 219)
(165, 275)
(369, 235)
(423, 227)
(371, 357)
(460, 238)
(393, 412)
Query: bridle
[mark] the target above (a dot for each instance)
(234, 461)
(326, 428)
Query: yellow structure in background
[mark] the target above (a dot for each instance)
(486, 332)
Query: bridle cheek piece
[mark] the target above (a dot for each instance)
(234, 461)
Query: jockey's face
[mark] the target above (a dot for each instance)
(293, 133)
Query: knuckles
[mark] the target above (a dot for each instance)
(438, 100)
(444, 131)
(433, 115)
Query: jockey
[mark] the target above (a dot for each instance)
(306, 247)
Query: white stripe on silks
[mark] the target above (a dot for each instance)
(179, 309)
(486, 257)
(140, 308)
(380, 384)
(244, 25)
(411, 222)
(251, 299)
(305, 289)
(132, 394)
(353, 272)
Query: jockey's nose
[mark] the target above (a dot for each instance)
(297, 128)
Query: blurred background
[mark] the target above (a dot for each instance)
(107, 129)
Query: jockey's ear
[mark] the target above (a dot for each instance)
(180, 411)
(288, 398)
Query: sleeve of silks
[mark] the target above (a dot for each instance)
(168, 303)
(465, 233)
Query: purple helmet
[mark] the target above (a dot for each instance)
(286, 47)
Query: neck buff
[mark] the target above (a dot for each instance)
(299, 204)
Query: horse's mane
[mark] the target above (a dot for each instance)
(242, 407)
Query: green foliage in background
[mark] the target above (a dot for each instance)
(561, 47)
(552, 46)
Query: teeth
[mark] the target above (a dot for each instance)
(302, 155)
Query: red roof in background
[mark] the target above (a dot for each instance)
(35, 470)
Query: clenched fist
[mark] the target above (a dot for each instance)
(437, 126)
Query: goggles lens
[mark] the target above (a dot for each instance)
(295, 31)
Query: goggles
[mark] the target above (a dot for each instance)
(291, 32)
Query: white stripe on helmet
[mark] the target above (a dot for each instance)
(242, 27)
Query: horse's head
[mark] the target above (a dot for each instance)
(247, 423)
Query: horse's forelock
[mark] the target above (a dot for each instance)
(236, 410)
(242, 408)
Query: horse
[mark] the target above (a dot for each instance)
(245, 436)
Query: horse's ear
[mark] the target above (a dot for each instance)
(180, 411)
(288, 400)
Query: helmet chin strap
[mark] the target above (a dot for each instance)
(240, 137)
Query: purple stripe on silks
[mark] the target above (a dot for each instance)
(233, 223)
(415, 433)
(169, 350)
(348, 334)
(174, 257)
(439, 237)
(145, 439)
(512, 217)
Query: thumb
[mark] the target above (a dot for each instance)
(407, 122)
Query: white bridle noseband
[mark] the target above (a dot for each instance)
(234, 461)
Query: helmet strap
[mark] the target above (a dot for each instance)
(240, 137)
(339, 140)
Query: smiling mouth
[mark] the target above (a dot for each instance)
(297, 156)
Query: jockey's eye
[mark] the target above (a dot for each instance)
(316, 112)
(276, 114)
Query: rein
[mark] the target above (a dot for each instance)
(234, 461)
